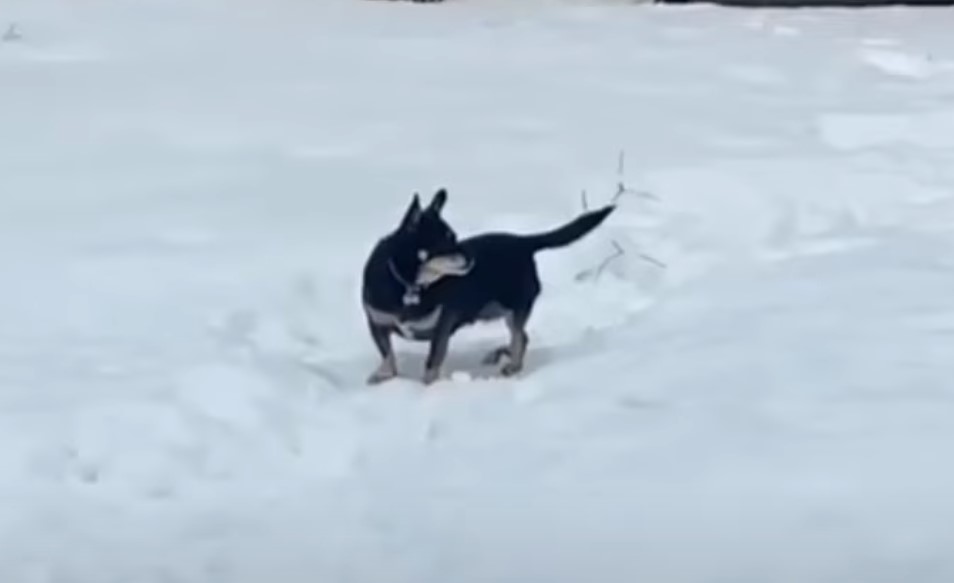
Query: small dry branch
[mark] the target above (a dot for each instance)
(618, 250)
(621, 188)
(653, 260)
(12, 33)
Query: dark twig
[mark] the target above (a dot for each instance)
(621, 188)
(12, 33)
(618, 250)
(621, 192)
(617, 253)
(653, 260)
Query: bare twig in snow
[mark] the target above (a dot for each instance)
(595, 272)
(617, 253)
(620, 176)
(621, 188)
(653, 260)
(618, 250)
(12, 33)
(621, 192)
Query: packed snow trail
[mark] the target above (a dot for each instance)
(756, 385)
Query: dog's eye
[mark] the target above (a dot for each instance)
(422, 254)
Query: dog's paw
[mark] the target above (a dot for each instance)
(430, 376)
(496, 355)
(381, 375)
(511, 368)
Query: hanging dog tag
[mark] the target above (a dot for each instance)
(412, 297)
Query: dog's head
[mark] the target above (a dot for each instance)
(425, 238)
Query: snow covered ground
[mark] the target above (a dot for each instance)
(757, 390)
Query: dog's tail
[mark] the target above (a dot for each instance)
(570, 232)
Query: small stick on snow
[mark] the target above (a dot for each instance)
(621, 188)
(622, 191)
(12, 33)
(620, 173)
(619, 252)
(653, 260)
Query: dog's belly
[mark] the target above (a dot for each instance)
(492, 311)
(421, 328)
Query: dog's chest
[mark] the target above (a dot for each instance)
(417, 326)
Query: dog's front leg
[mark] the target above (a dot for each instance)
(388, 367)
(438, 349)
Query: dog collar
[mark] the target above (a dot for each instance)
(412, 292)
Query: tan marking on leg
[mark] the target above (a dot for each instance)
(517, 349)
(381, 334)
(386, 370)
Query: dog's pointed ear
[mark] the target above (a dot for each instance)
(413, 213)
(438, 202)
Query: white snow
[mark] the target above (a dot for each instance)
(758, 388)
(932, 129)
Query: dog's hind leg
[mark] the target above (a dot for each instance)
(517, 324)
(382, 340)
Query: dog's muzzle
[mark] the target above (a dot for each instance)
(435, 268)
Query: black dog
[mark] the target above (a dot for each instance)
(422, 284)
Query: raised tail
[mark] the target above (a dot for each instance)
(570, 232)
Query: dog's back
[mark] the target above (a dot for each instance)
(504, 276)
